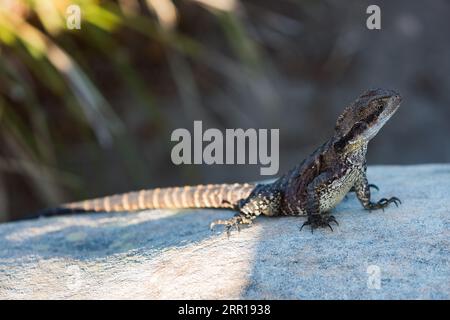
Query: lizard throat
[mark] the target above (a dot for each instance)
(355, 153)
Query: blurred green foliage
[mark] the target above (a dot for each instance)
(53, 92)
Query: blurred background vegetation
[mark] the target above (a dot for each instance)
(89, 112)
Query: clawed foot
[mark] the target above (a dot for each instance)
(229, 224)
(383, 203)
(319, 221)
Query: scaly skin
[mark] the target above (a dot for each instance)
(320, 182)
(312, 188)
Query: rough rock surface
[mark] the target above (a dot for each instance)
(399, 253)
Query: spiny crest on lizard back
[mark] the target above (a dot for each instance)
(362, 119)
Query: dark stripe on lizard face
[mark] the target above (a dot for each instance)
(373, 116)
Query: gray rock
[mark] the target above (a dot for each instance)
(396, 254)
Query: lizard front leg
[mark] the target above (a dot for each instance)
(371, 185)
(312, 203)
(362, 190)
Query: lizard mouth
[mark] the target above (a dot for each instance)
(393, 104)
(391, 107)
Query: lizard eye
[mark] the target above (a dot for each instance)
(359, 126)
(370, 118)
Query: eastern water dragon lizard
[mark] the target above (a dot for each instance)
(312, 188)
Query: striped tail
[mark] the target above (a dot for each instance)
(200, 196)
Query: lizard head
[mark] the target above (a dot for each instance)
(362, 120)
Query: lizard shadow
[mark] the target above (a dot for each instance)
(286, 259)
(101, 235)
